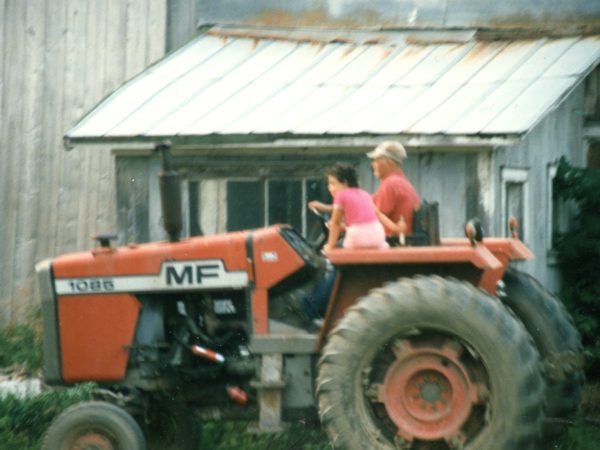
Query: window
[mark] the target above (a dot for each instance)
(557, 210)
(245, 205)
(515, 200)
(221, 193)
(593, 155)
(219, 205)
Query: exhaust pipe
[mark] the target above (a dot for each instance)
(170, 193)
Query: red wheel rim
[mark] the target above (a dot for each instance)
(92, 440)
(428, 392)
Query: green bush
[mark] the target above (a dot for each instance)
(21, 345)
(580, 437)
(579, 255)
(24, 420)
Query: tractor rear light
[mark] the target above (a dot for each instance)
(206, 353)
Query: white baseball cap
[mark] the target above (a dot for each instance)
(393, 150)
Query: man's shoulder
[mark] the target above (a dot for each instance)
(395, 178)
(398, 184)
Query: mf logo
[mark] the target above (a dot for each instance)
(207, 273)
(196, 273)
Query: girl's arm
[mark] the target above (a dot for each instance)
(335, 227)
(322, 207)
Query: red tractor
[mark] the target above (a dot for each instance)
(435, 346)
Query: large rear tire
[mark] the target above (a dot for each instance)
(430, 363)
(557, 340)
(94, 426)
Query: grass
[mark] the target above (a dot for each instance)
(234, 436)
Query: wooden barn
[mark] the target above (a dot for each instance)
(258, 97)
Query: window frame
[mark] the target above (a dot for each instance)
(201, 165)
(550, 175)
(510, 175)
(265, 180)
(563, 211)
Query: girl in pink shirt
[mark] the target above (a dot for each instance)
(352, 207)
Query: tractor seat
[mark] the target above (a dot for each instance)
(425, 229)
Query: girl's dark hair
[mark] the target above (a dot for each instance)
(345, 173)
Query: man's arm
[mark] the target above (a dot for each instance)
(399, 227)
(384, 199)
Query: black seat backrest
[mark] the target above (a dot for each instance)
(426, 225)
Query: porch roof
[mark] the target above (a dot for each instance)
(232, 86)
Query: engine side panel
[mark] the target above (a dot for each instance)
(95, 332)
(274, 258)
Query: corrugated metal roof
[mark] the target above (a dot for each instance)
(240, 83)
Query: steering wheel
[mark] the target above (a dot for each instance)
(318, 233)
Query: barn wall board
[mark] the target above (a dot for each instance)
(60, 58)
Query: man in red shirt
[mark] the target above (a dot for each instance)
(396, 196)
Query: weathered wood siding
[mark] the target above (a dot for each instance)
(560, 133)
(59, 58)
(182, 21)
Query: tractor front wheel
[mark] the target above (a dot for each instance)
(430, 363)
(94, 426)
